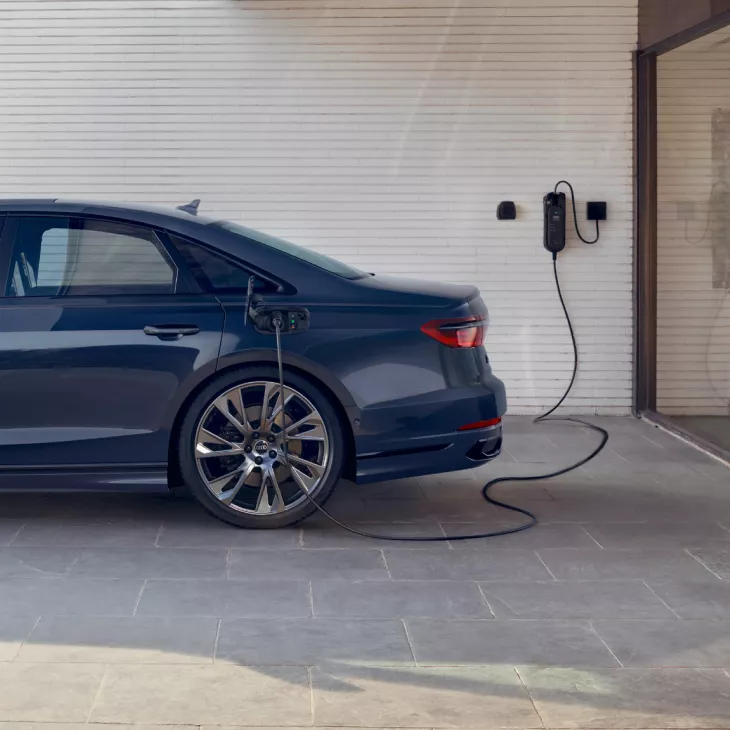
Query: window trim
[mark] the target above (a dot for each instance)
(181, 285)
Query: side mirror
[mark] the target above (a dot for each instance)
(293, 319)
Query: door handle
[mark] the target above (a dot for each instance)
(171, 331)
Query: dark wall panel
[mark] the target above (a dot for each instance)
(660, 20)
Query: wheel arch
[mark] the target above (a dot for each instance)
(173, 462)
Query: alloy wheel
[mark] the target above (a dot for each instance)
(239, 448)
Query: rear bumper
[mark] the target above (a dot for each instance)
(420, 435)
(433, 455)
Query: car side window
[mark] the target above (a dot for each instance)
(67, 256)
(215, 273)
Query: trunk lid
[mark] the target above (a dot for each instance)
(416, 292)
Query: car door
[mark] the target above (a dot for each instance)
(102, 337)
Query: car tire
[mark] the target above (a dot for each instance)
(214, 446)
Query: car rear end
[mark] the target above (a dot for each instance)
(446, 409)
(405, 359)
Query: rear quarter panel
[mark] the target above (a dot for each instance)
(395, 383)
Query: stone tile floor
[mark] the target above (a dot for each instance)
(613, 613)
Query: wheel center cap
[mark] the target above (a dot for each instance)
(261, 447)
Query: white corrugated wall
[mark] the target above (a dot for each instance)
(693, 337)
(383, 132)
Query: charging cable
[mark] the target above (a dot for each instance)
(575, 220)
(277, 322)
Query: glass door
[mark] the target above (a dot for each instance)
(693, 238)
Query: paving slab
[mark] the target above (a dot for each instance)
(323, 536)
(304, 564)
(34, 593)
(578, 699)
(34, 561)
(207, 532)
(649, 565)
(306, 642)
(512, 643)
(667, 643)
(226, 598)
(695, 599)
(423, 697)
(148, 563)
(648, 535)
(111, 640)
(437, 564)
(48, 692)
(543, 535)
(575, 600)
(9, 529)
(14, 630)
(63, 533)
(399, 599)
(716, 557)
(198, 695)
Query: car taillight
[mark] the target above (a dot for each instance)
(478, 425)
(460, 332)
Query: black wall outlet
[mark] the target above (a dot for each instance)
(597, 211)
(507, 211)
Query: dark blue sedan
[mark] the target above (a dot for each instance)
(132, 353)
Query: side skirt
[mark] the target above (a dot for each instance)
(85, 478)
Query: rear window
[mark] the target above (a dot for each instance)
(292, 249)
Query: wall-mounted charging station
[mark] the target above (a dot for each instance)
(555, 207)
(554, 212)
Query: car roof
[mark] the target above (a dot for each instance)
(128, 211)
(259, 257)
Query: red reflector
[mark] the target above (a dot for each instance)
(461, 332)
(481, 424)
